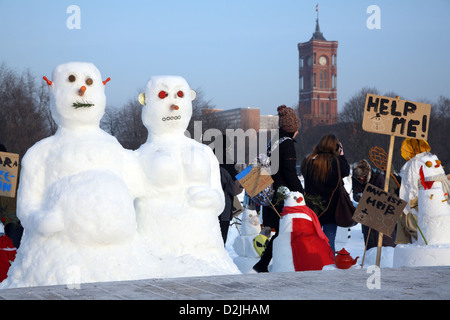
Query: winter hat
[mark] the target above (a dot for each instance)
(288, 119)
(362, 169)
(412, 147)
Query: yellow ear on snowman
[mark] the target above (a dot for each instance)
(193, 95)
(142, 99)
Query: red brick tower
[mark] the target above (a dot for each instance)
(317, 78)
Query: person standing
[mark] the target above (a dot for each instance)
(286, 175)
(8, 206)
(320, 173)
(361, 175)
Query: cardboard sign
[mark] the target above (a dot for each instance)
(254, 179)
(396, 117)
(379, 209)
(9, 168)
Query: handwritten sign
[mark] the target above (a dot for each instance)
(379, 209)
(9, 168)
(396, 117)
(254, 179)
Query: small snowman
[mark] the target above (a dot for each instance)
(301, 244)
(249, 229)
(76, 191)
(178, 216)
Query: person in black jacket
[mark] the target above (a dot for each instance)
(363, 174)
(230, 186)
(320, 173)
(286, 175)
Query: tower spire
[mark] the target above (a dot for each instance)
(317, 35)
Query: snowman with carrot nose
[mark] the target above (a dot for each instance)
(76, 192)
(178, 216)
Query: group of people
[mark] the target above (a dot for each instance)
(321, 171)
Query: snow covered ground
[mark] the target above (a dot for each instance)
(349, 238)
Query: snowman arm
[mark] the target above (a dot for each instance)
(31, 190)
(215, 171)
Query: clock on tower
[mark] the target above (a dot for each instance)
(317, 78)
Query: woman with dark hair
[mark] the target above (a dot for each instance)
(320, 173)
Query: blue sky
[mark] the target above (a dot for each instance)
(239, 53)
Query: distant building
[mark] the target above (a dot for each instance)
(317, 80)
(240, 118)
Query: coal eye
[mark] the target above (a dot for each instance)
(162, 94)
(428, 164)
(72, 78)
(180, 94)
(89, 81)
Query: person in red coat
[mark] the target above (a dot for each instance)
(7, 255)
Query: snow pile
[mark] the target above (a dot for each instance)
(433, 218)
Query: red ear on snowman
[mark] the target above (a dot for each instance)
(48, 81)
(106, 81)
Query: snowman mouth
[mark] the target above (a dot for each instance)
(82, 104)
(170, 118)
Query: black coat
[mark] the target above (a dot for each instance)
(228, 191)
(358, 187)
(287, 172)
(286, 175)
(325, 189)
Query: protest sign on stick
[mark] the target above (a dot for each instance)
(394, 117)
(379, 209)
(255, 179)
(9, 169)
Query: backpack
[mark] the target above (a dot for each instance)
(264, 198)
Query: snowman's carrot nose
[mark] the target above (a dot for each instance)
(174, 107)
(82, 90)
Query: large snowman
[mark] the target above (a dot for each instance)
(432, 247)
(178, 216)
(76, 192)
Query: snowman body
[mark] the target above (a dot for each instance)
(433, 206)
(250, 227)
(178, 215)
(432, 247)
(301, 244)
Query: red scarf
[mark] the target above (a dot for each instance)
(311, 214)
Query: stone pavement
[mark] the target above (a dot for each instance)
(361, 284)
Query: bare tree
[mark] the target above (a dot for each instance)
(24, 107)
(126, 124)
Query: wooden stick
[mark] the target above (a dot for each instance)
(273, 207)
(365, 248)
(386, 188)
(417, 225)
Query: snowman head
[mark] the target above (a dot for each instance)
(430, 169)
(294, 199)
(78, 95)
(167, 105)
